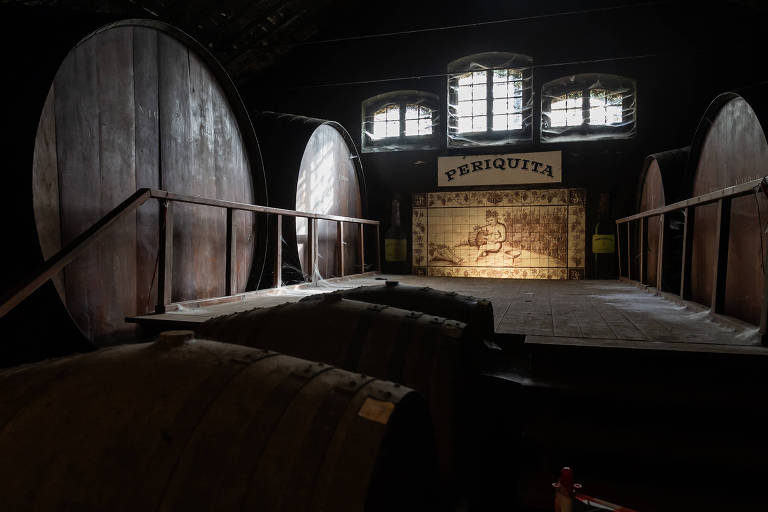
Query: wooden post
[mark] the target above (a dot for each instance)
(629, 251)
(231, 255)
(722, 231)
(362, 248)
(378, 249)
(660, 255)
(340, 246)
(644, 250)
(764, 305)
(685, 271)
(165, 256)
(312, 248)
(277, 275)
(618, 245)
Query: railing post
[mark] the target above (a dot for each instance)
(685, 271)
(660, 254)
(618, 245)
(165, 256)
(312, 248)
(231, 255)
(644, 250)
(340, 246)
(722, 231)
(378, 249)
(277, 275)
(362, 248)
(629, 251)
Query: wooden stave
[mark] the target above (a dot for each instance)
(729, 147)
(284, 139)
(111, 327)
(423, 352)
(664, 180)
(222, 373)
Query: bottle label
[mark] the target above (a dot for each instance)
(603, 244)
(395, 249)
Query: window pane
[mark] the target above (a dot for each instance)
(613, 115)
(557, 118)
(411, 127)
(465, 93)
(597, 97)
(393, 113)
(597, 115)
(393, 128)
(465, 79)
(499, 122)
(425, 112)
(574, 100)
(500, 75)
(379, 130)
(558, 103)
(479, 107)
(479, 92)
(479, 124)
(500, 90)
(516, 88)
(465, 124)
(515, 121)
(478, 77)
(515, 74)
(465, 108)
(516, 105)
(425, 126)
(613, 99)
(499, 107)
(411, 112)
(380, 115)
(574, 117)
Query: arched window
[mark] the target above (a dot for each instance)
(489, 99)
(588, 107)
(400, 120)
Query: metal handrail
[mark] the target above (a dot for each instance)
(722, 198)
(58, 261)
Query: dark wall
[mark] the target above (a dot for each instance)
(680, 59)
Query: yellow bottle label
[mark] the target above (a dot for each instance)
(603, 244)
(395, 249)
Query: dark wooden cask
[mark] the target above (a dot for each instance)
(729, 148)
(141, 104)
(312, 165)
(423, 352)
(184, 424)
(476, 313)
(664, 180)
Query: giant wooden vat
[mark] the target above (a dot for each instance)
(729, 148)
(141, 104)
(664, 181)
(183, 424)
(312, 165)
(420, 351)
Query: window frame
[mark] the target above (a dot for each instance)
(401, 142)
(489, 63)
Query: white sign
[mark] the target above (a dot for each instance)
(512, 169)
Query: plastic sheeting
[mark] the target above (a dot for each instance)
(588, 107)
(490, 99)
(401, 120)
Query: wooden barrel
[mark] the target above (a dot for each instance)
(141, 104)
(420, 351)
(730, 147)
(184, 424)
(476, 313)
(312, 165)
(664, 181)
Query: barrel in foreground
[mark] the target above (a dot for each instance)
(185, 424)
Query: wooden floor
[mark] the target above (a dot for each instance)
(589, 312)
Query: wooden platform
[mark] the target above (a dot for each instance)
(609, 314)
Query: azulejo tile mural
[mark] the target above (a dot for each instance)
(514, 234)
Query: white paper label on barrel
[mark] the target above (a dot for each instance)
(376, 410)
